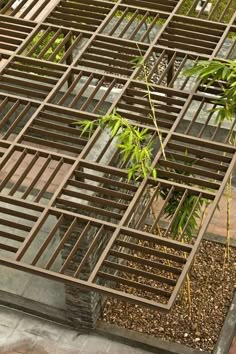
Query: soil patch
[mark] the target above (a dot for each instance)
(212, 287)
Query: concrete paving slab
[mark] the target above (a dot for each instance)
(26, 334)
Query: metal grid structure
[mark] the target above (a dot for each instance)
(71, 62)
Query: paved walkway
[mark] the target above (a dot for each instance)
(233, 348)
(219, 220)
(24, 334)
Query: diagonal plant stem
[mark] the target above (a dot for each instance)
(152, 106)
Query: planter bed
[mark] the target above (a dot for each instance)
(212, 289)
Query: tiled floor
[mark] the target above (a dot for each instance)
(218, 222)
(233, 348)
(24, 334)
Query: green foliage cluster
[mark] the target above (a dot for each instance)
(186, 222)
(222, 73)
(134, 143)
(218, 6)
(43, 43)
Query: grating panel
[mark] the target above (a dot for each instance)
(65, 199)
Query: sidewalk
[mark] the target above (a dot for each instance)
(24, 334)
(218, 223)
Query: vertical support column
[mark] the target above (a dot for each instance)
(69, 59)
(83, 307)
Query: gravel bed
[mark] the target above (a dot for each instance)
(212, 287)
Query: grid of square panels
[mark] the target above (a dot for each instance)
(82, 61)
(13, 32)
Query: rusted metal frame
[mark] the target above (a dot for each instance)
(195, 151)
(21, 203)
(71, 85)
(182, 51)
(217, 48)
(75, 248)
(15, 225)
(188, 41)
(158, 216)
(205, 143)
(37, 226)
(202, 232)
(188, 180)
(18, 214)
(174, 271)
(149, 29)
(182, 200)
(102, 190)
(104, 180)
(13, 169)
(17, 120)
(71, 215)
(137, 196)
(62, 243)
(89, 208)
(95, 91)
(128, 24)
(146, 55)
(162, 5)
(48, 45)
(148, 206)
(227, 139)
(215, 6)
(41, 9)
(182, 235)
(168, 91)
(139, 273)
(21, 46)
(28, 9)
(36, 178)
(224, 36)
(8, 5)
(148, 250)
(199, 162)
(83, 89)
(8, 248)
(49, 238)
(133, 284)
(20, 5)
(65, 279)
(232, 29)
(114, 171)
(14, 22)
(225, 10)
(192, 170)
(196, 114)
(49, 180)
(91, 248)
(94, 199)
(63, 77)
(9, 236)
(23, 175)
(45, 125)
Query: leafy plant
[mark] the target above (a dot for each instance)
(43, 43)
(186, 222)
(134, 143)
(222, 74)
